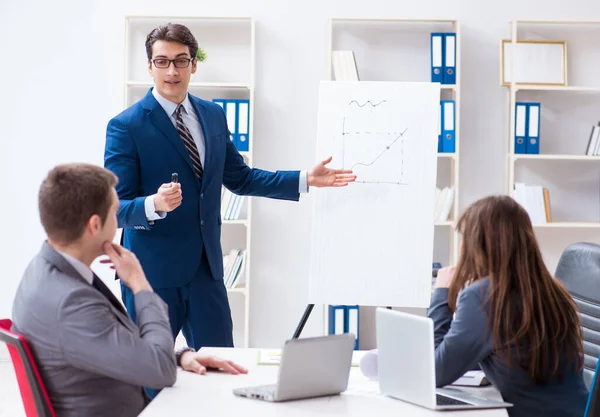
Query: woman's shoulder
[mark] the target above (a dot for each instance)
(478, 288)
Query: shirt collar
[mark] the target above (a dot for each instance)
(169, 107)
(83, 270)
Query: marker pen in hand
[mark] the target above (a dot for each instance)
(175, 177)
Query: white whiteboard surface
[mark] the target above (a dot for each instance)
(372, 241)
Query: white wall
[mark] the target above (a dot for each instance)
(61, 75)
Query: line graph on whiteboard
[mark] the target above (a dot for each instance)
(373, 143)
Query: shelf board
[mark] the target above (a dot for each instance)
(578, 225)
(238, 290)
(556, 157)
(189, 18)
(194, 84)
(448, 86)
(450, 155)
(242, 222)
(529, 87)
(557, 22)
(388, 20)
(448, 223)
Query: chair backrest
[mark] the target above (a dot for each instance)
(33, 393)
(579, 270)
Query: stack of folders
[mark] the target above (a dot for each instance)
(593, 147)
(536, 200)
(344, 66)
(237, 113)
(443, 203)
(344, 319)
(527, 128)
(233, 268)
(443, 58)
(231, 205)
(447, 132)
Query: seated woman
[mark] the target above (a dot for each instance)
(512, 317)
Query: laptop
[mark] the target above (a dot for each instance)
(309, 367)
(406, 364)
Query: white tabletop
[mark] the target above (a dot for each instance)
(211, 395)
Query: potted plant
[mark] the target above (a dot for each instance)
(200, 55)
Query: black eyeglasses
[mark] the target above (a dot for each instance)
(178, 62)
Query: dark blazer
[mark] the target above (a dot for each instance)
(143, 149)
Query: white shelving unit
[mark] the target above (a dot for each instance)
(567, 115)
(227, 73)
(399, 50)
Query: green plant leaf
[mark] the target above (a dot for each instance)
(200, 55)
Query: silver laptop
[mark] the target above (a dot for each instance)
(406, 364)
(309, 367)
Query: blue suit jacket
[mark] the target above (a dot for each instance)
(143, 148)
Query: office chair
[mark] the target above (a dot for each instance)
(592, 409)
(33, 393)
(579, 270)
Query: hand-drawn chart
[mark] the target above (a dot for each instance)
(372, 146)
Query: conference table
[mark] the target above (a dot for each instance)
(211, 395)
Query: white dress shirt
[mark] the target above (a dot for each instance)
(84, 270)
(190, 119)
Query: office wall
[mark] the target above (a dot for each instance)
(61, 74)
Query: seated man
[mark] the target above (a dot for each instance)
(93, 359)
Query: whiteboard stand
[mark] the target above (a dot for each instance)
(303, 321)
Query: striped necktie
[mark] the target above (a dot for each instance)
(189, 143)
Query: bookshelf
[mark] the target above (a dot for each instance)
(227, 73)
(399, 50)
(567, 115)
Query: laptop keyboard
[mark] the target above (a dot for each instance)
(261, 390)
(443, 400)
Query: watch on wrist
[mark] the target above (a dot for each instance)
(179, 353)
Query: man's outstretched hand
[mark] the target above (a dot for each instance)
(321, 176)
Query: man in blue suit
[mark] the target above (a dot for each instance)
(176, 239)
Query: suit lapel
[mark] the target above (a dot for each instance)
(66, 268)
(100, 286)
(161, 121)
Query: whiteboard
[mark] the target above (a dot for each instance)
(372, 241)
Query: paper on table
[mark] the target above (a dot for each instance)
(269, 356)
(368, 365)
(472, 379)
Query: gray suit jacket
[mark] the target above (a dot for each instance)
(93, 359)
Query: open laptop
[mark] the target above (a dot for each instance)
(309, 367)
(406, 364)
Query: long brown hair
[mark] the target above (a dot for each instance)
(529, 310)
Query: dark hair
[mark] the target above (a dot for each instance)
(172, 32)
(71, 194)
(529, 309)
